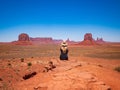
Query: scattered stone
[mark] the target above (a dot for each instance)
(29, 75)
(48, 67)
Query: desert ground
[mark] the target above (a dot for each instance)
(88, 68)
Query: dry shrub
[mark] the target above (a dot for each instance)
(117, 69)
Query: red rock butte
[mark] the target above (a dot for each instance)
(88, 40)
(23, 37)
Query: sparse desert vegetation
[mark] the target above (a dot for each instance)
(52, 50)
(22, 59)
(29, 64)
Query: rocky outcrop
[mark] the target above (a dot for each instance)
(49, 66)
(29, 75)
(88, 40)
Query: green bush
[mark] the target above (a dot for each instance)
(29, 64)
(9, 64)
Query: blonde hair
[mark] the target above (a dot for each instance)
(64, 46)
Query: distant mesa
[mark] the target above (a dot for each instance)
(47, 39)
(71, 42)
(57, 41)
(24, 39)
(41, 40)
(88, 40)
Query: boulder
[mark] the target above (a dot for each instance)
(29, 75)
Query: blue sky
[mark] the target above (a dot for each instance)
(60, 19)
